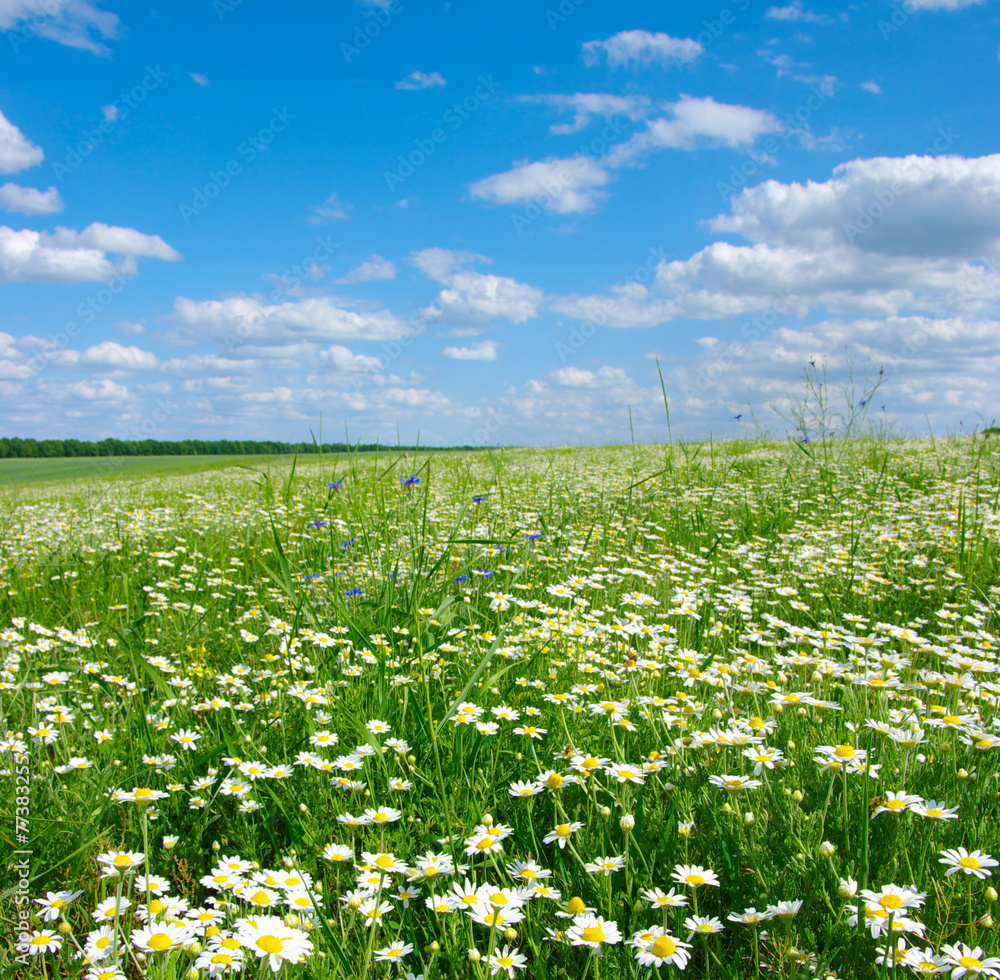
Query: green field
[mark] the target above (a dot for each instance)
(22, 472)
(718, 710)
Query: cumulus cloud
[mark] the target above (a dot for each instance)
(16, 151)
(75, 256)
(342, 359)
(586, 105)
(110, 354)
(576, 184)
(486, 350)
(942, 4)
(630, 49)
(74, 23)
(418, 80)
(375, 268)
(882, 236)
(330, 210)
(795, 12)
(474, 297)
(248, 320)
(199, 79)
(695, 122)
(28, 200)
(565, 186)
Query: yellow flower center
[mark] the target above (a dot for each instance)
(564, 830)
(554, 781)
(380, 817)
(260, 897)
(223, 958)
(160, 940)
(891, 902)
(971, 963)
(384, 861)
(103, 942)
(156, 906)
(664, 946)
(575, 906)
(844, 752)
(695, 880)
(969, 862)
(593, 934)
(270, 944)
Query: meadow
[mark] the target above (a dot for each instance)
(705, 710)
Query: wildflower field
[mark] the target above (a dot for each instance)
(693, 710)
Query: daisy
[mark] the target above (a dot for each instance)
(749, 917)
(162, 937)
(335, 853)
(110, 908)
(54, 903)
(372, 910)
(663, 948)
(968, 960)
(384, 814)
(897, 803)
(120, 862)
(972, 863)
(734, 784)
(695, 876)
(561, 833)
(605, 865)
(494, 918)
(267, 937)
(217, 962)
(702, 924)
(925, 962)
(625, 773)
(594, 932)
(892, 898)
(934, 810)
(393, 954)
(507, 959)
(40, 941)
(660, 900)
(100, 943)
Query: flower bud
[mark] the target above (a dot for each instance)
(511, 933)
(433, 947)
(474, 956)
(605, 811)
(627, 821)
(487, 820)
(749, 819)
(991, 894)
(65, 928)
(411, 759)
(986, 921)
(195, 948)
(826, 849)
(797, 796)
(963, 773)
(716, 714)
(291, 920)
(726, 808)
(215, 846)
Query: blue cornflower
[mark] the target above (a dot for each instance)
(347, 544)
(478, 500)
(336, 484)
(410, 481)
(318, 523)
(354, 592)
(532, 537)
(462, 578)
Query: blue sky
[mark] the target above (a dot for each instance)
(485, 224)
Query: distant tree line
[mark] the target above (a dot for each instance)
(16, 448)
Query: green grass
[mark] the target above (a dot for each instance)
(23, 472)
(659, 610)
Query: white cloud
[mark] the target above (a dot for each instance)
(71, 256)
(28, 200)
(343, 359)
(574, 377)
(248, 320)
(103, 390)
(696, 121)
(16, 152)
(795, 12)
(641, 48)
(563, 186)
(375, 268)
(330, 210)
(418, 80)
(110, 354)
(872, 87)
(110, 112)
(486, 350)
(941, 4)
(474, 297)
(586, 105)
(882, 236)
(129, 328)
(74, 23)
(198, 79)
(915, 205)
